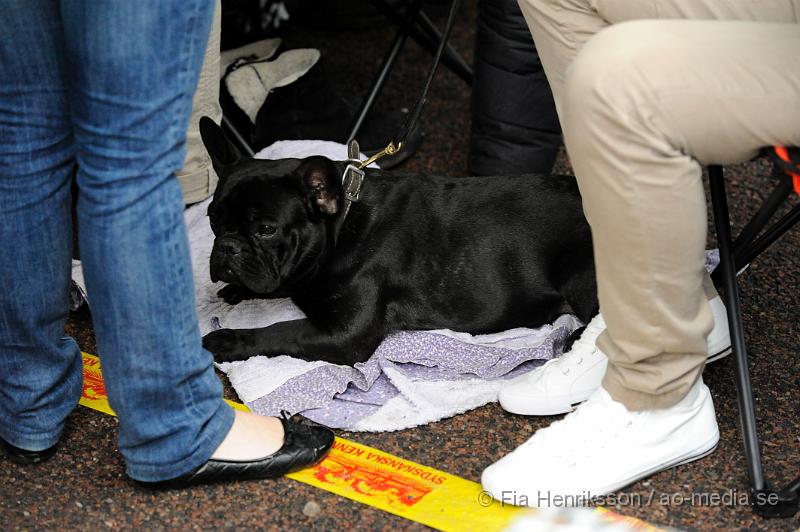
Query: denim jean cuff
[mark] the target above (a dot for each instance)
(30, 442)
(214, 432)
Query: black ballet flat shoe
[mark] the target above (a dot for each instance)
(25, 457)
(303, 445)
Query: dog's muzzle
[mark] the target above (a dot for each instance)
(223, 254)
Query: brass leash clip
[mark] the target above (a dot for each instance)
(354, 173)
(391, 149)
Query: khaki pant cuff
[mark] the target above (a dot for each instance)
(197, 185)
(635, 400)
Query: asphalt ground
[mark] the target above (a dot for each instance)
(84, 485)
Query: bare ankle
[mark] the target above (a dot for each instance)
(251, 437)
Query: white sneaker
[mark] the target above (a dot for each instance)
(719, 339)
(602, 447)
(561, 383)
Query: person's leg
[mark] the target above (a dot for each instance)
(639, 121)
(133, 69)
(561, 29)
(514, 128)
(40, 367)
(639, 124)
(197, 177)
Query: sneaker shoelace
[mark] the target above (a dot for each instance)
(583, 346)
(598, 421)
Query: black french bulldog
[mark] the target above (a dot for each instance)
(472, 254)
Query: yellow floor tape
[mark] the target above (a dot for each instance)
(381, 480)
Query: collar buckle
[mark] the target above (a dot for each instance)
(353, 177)
(352, 180)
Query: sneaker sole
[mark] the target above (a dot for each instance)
(553, 408)
(720, 355)
(701, 451)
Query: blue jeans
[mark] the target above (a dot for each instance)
(107, 86)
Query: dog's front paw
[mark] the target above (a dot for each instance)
(233, 294)
(228, 345)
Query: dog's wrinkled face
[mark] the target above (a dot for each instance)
(270, 218)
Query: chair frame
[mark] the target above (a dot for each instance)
(411, 21)
(736, 255)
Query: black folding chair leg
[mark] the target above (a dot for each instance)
(425, 38)
(387, 64)
(458, 65)
(766, 502)
(743, 243)
(731, 297)
(770, 235)
(776, 198)
(237, 137)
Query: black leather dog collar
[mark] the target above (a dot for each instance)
(353, 177)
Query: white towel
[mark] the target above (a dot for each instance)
(413, 378)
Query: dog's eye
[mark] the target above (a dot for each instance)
(265, 230)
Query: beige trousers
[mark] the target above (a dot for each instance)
(644, 105)
(197, 177)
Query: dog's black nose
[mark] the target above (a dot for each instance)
(230, 247)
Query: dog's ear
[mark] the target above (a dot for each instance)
(223, 153)
(321, 182)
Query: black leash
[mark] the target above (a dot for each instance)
(353, 177)
(413, 118)
(396, 143)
